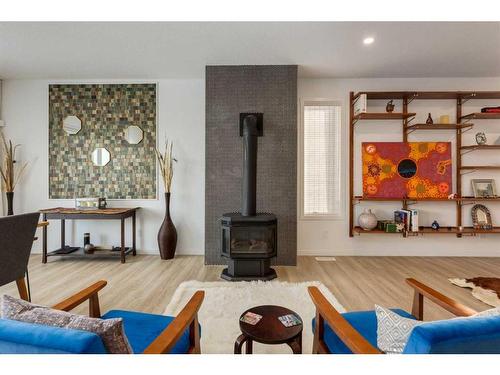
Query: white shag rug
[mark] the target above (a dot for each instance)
(225, 301)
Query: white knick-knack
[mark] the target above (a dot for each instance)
(367, 220)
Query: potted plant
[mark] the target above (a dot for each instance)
(8, 171)
(167, 235)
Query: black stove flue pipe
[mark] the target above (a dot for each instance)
(250, 129)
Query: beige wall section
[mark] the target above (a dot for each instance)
(331, 237)
(182, 118)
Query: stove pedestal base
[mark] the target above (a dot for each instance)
(248, 270)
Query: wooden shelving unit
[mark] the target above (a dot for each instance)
(462, 125)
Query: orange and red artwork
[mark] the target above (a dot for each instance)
(406, 169)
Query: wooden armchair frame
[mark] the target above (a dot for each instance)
(186, 319)
(325, 312)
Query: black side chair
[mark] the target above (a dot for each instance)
(16, 239)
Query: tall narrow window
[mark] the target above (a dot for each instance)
(321, 158)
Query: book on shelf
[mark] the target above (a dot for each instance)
(360, 105)
(408, 219)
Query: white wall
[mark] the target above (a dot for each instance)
(182, 118)
(331, 237)
(181, 109)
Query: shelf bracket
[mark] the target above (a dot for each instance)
(412, 98)
(469, 127)
(462, 173)
(410, 119)
(468, 151)
(465, 99)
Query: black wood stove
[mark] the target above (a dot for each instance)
(249, 239)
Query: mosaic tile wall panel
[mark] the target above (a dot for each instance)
(105, 111)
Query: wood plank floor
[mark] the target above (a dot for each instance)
(146, 283)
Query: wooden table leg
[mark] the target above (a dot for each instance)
(134, 252)
(63, 233)
(44, 241)
(238, 344)
(249, 349)
(296, 344)
(122, 250)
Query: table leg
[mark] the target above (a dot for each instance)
(44, 241)
(238, 344)
(63, 233)
(249, 346)
(296, 345)
(134, 252)
(122, 250)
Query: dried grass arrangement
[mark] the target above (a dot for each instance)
(166, 161)
(8, 171)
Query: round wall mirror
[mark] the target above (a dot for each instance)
(72, 125)
(133, 134)
(101, 156)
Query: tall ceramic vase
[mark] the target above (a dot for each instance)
(167, 236)
(10, 202)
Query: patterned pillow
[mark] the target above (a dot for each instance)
(393, 330)
(110, 330)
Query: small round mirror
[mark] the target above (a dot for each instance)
(72, 125)
(100, 157)
(133, 134)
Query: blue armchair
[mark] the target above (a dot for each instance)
(356, 332)
(146, 333)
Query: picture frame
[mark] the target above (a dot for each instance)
(484, 188)
(481, 217)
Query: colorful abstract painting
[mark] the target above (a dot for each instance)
(412, 170)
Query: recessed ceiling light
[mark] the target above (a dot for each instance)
(368, 40)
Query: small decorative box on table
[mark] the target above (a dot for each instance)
(63, 214)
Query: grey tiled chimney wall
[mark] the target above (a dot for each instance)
(272, 90)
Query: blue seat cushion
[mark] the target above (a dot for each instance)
(29, 338)
(142, 329)
(365, 322)
(478, 335)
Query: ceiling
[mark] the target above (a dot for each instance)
(181, 50)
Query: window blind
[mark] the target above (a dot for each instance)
(321, 159)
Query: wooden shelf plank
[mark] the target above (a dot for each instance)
(470, 231)
(361, 198)
(481, 116)
(383, 116)
(481, 147)
(479, 167)
(429, 95)
(438, 126)
(466, 198)
(360, 230)
(455, 230)
(473, 199)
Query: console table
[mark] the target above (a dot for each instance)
(63, 214)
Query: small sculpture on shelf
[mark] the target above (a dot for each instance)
(367, 220)
(435, 225)
(481, 138)
(429, 120)
(390, 106)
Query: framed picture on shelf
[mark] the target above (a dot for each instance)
(481, 217)
(484, 188)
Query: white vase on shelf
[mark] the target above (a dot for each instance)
(367, 220)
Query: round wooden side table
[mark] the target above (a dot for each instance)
(269, 330)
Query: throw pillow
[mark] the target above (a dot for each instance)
(110, 330)
(393, 330)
